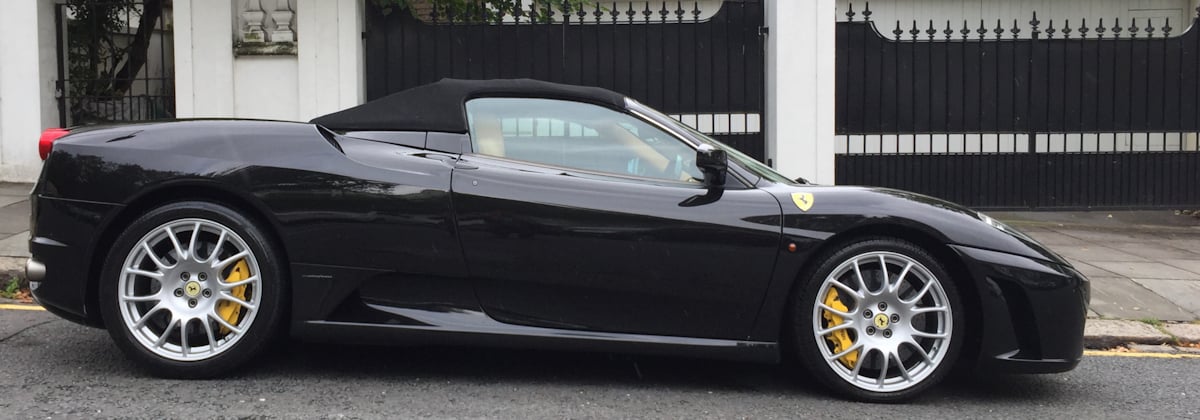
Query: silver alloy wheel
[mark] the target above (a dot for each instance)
(174, 295)
(882, 321)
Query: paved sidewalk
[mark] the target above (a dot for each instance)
(1144, 266)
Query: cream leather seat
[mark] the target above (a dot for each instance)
(488, 136)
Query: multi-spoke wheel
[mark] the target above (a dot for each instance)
(192, 289)
(879, 320)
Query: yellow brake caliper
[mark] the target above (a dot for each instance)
(232, 311)
(840, 339)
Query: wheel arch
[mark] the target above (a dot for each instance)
(920, 237)
(187, 190)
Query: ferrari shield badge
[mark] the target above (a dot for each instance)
(804, 201)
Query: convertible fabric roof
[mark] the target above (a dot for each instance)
(439, 106)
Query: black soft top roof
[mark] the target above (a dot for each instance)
(439, 106)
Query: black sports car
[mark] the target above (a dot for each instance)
(529, 214)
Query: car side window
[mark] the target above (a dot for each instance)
(578, 135)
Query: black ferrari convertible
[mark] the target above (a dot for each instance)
(528, 214)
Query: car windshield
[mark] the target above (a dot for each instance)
(751, 164)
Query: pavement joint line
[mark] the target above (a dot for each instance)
(1109, 353)
(21, 307)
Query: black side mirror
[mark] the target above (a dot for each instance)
(714, 163)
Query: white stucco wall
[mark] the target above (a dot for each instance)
(266, 87)
(325, 75)
(800, 80)
(331, 72)
(27, 72)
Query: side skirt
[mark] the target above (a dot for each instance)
(474, 328)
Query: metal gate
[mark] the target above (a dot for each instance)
(1078, 116)
(115, 61)
(705, 67)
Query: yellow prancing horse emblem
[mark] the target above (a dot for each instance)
(803, 200)
(192, 289)
(881, 321)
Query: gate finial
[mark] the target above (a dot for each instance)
(1034, 23)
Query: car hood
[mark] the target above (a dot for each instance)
(824, 211)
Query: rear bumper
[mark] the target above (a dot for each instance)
(63, 240)
(1032, 312)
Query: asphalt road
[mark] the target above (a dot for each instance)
(50, 368)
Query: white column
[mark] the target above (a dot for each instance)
(330, 54)
(27, 73)
(203, 59)
(800, 95)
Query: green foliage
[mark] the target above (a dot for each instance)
(103, 57)
(92, 50)
(12, 289)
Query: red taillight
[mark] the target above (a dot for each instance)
(46, 143)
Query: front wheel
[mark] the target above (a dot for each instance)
(192, 289)
(878, 320)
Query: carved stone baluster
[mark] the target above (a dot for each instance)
(283, 22)
(253, 15)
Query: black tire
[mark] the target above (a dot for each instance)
(265, 325)
(808, 347)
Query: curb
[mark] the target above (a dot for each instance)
(13, 267)
(1109, 333)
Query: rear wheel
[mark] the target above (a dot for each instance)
(879, 320)
(192, 289)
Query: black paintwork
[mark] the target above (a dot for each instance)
(395, 238)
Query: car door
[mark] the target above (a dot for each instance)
(577, 216)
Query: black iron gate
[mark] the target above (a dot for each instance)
(115, 61)
(704, 68)
(1020, 116)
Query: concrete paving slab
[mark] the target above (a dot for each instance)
(1115, 297)
(14, 218)
(6, 200)
(1191, 243)
(1099, 219)
(1154, 250)
(1050, 238)
(15, 245)
(1146, 270)
(1192, 265)
(1184, 332)
(1090, 253)
(1090, 270)
(1185, 293)
(15, 189)
(1104, 236)
(1108, 333)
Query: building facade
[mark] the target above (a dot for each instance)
(296, 59)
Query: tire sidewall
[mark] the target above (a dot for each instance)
(806, 344)
(263, 329)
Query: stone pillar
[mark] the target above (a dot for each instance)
(330, 52)
(203, 59)
(28, 69)
(800, 80)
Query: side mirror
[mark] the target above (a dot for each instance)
(714, 163)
